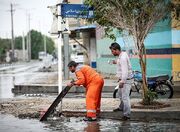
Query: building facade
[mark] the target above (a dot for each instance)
(162, 48)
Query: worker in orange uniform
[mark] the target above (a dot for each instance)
(93, 83)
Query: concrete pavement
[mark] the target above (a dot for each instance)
(32, 108)
(108, 104)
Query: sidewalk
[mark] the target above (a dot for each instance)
(31, 107)
(168, 113)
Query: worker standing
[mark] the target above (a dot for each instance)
(93, 83)
(124, 73)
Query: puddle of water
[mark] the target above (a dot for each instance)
(106, 125)
(74, 124)
(7, 83)
(12, 124)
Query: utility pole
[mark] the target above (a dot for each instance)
(27, 46)
(12, 33)
(59, 49)
(45, 49)
(23, 47)
(29, 39)
(66, 54)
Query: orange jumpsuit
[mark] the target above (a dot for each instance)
(93, 83)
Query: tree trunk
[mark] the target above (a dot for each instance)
(142, 61)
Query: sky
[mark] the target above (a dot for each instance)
(40, 16)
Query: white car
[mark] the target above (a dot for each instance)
(41, 55)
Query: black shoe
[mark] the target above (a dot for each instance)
(117, 109)
(125, 118)
(89, 119)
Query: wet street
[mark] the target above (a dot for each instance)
(72, 124)
(9, 123)
(6, 84)
(15, 73)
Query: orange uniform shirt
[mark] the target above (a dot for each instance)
(85, 74)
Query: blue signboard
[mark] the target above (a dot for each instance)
(76, 11)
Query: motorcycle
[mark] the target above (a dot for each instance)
(161, 84)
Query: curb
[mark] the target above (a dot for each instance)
(31, 88)
(135, 115)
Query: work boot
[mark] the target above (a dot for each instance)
(125, 118)
(90, 119)
(117, 109)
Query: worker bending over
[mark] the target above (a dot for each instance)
(93, 83)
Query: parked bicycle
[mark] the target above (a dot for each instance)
(161, 84)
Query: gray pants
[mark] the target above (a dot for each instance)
(125, 104)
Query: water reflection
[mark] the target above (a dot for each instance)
(155, 126)
(11, 124)
(107, 125)
(92, 127)
(73, 124)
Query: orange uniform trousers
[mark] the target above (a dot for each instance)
(93, 96)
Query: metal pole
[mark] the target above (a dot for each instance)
(23, 47)
(59, 49)
(27, 46)
(13, 81)
(12, 33)
(45, 49)
(66, 54)
(29, 38)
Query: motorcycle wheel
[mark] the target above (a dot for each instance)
(164, 90)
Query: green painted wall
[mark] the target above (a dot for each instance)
(154, 66)
(104, 67)
(159, 37)
(103, 46)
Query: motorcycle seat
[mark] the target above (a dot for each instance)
(158, 78)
